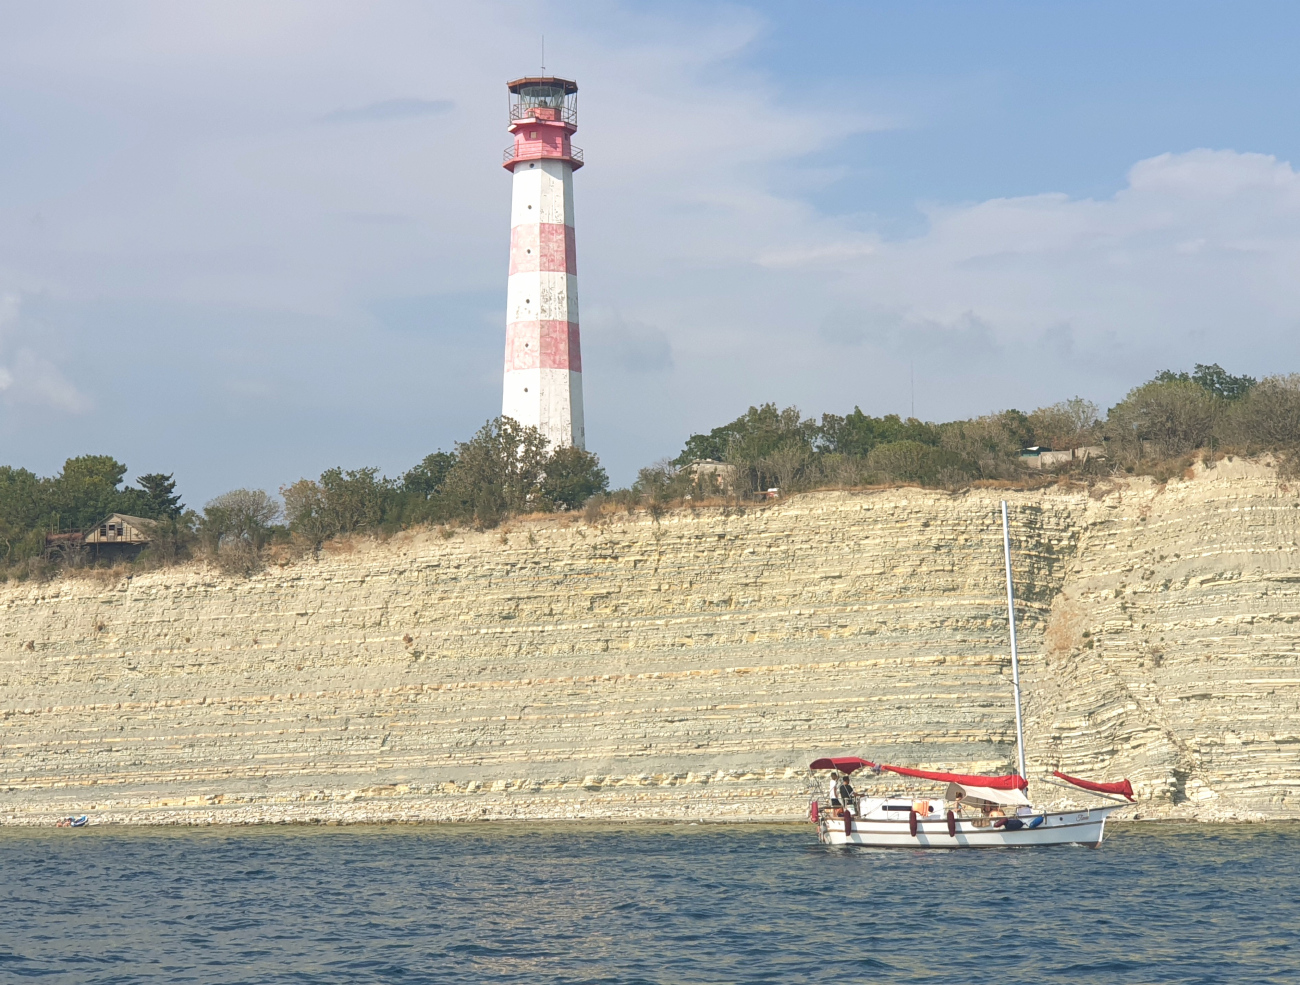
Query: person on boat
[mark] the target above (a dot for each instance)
(835, 790)
(846, 791)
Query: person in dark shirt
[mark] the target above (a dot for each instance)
(846, 792)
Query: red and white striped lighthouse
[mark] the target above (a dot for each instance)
(543, 378)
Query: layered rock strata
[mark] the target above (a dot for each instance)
(685, 666)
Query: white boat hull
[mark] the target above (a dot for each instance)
(1083, 827)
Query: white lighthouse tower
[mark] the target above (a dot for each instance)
(543, 378)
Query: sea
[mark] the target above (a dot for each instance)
(671, 903)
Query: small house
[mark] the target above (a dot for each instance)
(120, 535)
(711, 477)
(1039, 457)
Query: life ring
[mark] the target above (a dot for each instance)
(911, 822)
(952, 825)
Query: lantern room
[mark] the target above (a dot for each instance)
(543, 116)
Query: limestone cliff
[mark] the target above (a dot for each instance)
(689, 667)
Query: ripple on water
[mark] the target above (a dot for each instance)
(652, 904)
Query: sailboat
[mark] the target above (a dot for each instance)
(974, 811)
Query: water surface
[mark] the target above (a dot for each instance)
(641, 904)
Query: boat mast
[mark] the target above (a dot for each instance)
(1015, 657)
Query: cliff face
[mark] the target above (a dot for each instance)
(690, 667)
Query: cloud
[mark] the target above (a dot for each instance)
(627, 346)
(1200, 244)
(963, 338)
(26, 378)
(188, 216)
(390, 109)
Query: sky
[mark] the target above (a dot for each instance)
(247, 242)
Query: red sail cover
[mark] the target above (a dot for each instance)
(1011, 782)
(1123, 787)
(845, 764)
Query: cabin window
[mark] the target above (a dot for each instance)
(103, 531)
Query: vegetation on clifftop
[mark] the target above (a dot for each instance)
(1156, 430)
(506, 469)
(502, 470)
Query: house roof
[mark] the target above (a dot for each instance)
(140, 522)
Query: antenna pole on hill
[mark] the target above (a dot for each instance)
(1015, 656)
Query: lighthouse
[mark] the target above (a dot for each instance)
(543, 371)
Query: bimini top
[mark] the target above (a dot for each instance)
(1011, 782)
(543, 81)
(845, 764)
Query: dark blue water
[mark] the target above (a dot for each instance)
(672, 904)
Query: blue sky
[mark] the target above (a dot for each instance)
(245, 242)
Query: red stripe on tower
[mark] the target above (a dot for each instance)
(544, 246)
(543, 345)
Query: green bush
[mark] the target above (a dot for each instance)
(498, 472)
(856, 434)
(1268, 417)
(572, 477)
(1164, 419)
(911, 461)
(1070, 424)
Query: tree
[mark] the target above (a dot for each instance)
(355, 499)
(572, 477)
(787, 466)
(239, 516)
(171, 539)
(756, 433)
(1069, 424)
(1168, 417)
(86, 491)
(911, 461)
(420, 492)
(498, 471)
(662, 481)
(304, 511)
(161, 501)
(985, 447)
(1213, 379)
(1269, 415)
(857, 433)
(427, 479)
(343, 501)
(762, 443)
(22, 513)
